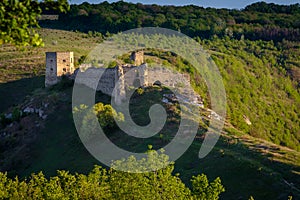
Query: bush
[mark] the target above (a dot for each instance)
(140, 91)
(16, 114)
(81, 59)
(105, 114)
(3, 119)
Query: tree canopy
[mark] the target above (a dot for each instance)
(105, 114)
(18, 18)
(257, 21)
(101, 183)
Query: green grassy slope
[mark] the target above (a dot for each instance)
(247, 166)
(17, 65)
(261, 84)
(258, 85)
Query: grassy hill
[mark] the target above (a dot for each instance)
(246, 165)
(27, 67)
(30, 62)
(260, 83)
(260, 87)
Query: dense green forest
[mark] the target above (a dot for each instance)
(260, 87)
(257, 21)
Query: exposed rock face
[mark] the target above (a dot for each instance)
(28, 110)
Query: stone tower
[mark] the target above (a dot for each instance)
(137, 57)
(58, 64)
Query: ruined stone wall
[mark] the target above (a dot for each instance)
(90, 78)
(125, 76)
(108, 81)
(58, 64)
(51, 69)
(128, 76)
(143, 74)
(173, 80)
(167, 77)
(135, 76)
(65, 63)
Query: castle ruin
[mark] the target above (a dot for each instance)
(57, 65)
(126, 75)
(119, 78)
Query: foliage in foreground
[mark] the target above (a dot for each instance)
(112, 184)
(17, 19)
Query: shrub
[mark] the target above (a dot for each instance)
(16, 114)
(105, 114)
(140, 91)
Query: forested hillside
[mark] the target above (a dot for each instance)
(256, 21)
(259, 88)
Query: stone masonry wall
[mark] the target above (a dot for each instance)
(51, 69)
(58, 64)
(129, 76)
(90, 78)
(135, 76)
(65, 63)
(173, 79)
